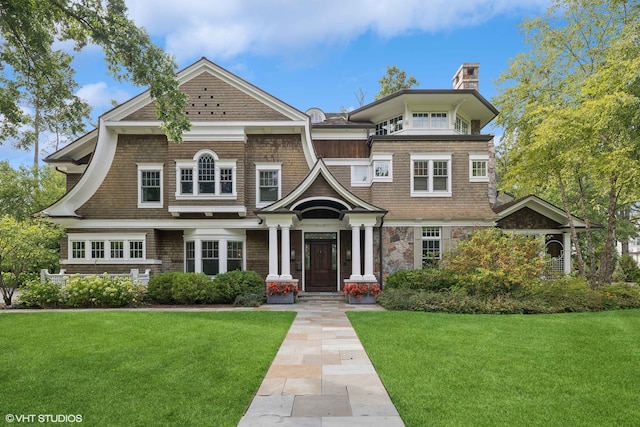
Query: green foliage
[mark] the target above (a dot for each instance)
(40, 295)
(29, 30)
(25, 247)
(569, 294)
(431, 279)
(26, 191)
(627, 269)
(569, 109)
(395, 80)
(232, 284)
(197, 288)
(102, 291)
(249, 300)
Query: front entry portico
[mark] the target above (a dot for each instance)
(333, 235)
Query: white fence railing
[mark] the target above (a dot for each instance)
(62, 277)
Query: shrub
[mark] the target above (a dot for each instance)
(40, 295)
(102, 291)
(434, 279)
(492, 262)
(228, 286)
(627, 269)
(160, 286)
(191, 288)
(249, 300)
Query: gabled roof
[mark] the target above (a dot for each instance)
(540, 206)
(320, 170)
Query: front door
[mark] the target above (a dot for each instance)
(321, 255)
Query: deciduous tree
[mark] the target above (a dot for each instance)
(570, 108)
(395, 80)
(29, 29)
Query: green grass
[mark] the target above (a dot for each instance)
(517, 370)
(137, 368)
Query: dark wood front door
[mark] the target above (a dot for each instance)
(320, 265)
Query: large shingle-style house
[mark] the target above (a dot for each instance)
(259, 185)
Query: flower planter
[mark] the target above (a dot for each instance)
(363, 299)
(280, 298)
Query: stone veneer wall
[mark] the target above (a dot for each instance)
(397, 249)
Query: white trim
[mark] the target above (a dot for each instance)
(319, 198)
(207, 210)
(160, 224)
(107, 238)
(355, 182)
(215, 235)
(388, 158)
(440, 222)
(431, 157)
(150, 167)
(267, 167)
(478, 158)
(218, 165)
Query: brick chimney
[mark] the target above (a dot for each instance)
(467, 76)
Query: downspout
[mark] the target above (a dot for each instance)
(380, 249)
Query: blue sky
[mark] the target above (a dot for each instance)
(319, 53)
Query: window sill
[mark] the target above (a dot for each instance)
(233, 196)
(429, 194)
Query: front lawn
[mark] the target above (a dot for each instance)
(137, 368)
(487, 370)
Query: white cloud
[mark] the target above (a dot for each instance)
(99, 96)
(220, 29)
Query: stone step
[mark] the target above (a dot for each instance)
(320, 296)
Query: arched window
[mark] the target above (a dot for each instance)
(206, 174)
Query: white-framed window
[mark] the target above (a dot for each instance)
(361, 175)
(478, 167)
(268, 183)
(382, 165)
(462, 126)
(150, 185)
(431, 245)
(389, 126)
(205, 177)
(107, 248)
(424, 120)
(431, 175)
(212, 256)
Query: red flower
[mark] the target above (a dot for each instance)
(282, 288)
(358, 290)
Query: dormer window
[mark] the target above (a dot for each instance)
(390, 126)
(430, 120)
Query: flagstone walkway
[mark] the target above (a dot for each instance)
(321, 376)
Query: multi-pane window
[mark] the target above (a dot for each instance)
(77, 250)
(107, 248)
(210, 258)
(431, 245)
(431, 175)
(462, 126)
(117, 249)
(136, 249)
(421, 175)
(234, 256)
(190, 257)
(478, 167)
(97, 250)
(226, 181)
(149, 185)
(268, 185)
(206, 174)
(389, 126)
(430, 120)
(420, 120)
(186, 181)
(439, 121)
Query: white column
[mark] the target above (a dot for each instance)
(285, 269)
(222, 255)
(198, 254)
(273, 253)
(567, 252)
(368, 253)
(355, 253)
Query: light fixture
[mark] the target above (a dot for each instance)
(348, 254)
(293, 254)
